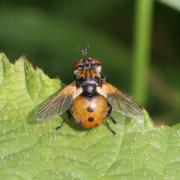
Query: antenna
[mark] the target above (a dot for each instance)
(84, 51)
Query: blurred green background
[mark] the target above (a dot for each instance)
(136, 40)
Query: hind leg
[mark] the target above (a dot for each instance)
(109, 115)
(109, 128)
(112, 119)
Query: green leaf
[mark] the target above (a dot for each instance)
(32, 150)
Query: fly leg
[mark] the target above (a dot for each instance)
(112, 119)
(63, 121)
(106, 122)
(109, 115)
(61, 125)
(109, 128)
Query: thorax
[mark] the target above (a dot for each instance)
(88, 80)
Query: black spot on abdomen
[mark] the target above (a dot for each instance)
(90, 119)
(90, 109)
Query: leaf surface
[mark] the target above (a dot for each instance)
(32, 150)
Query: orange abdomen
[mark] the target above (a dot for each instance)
(90, 111)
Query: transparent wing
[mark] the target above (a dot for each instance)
(59, 103)
(121, 102)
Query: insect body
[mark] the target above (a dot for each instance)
(90, 98)
(90, 111)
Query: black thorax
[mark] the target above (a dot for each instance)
(89, 85)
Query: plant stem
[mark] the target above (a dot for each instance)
(143, 22)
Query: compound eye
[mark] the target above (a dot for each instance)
(80, 66)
